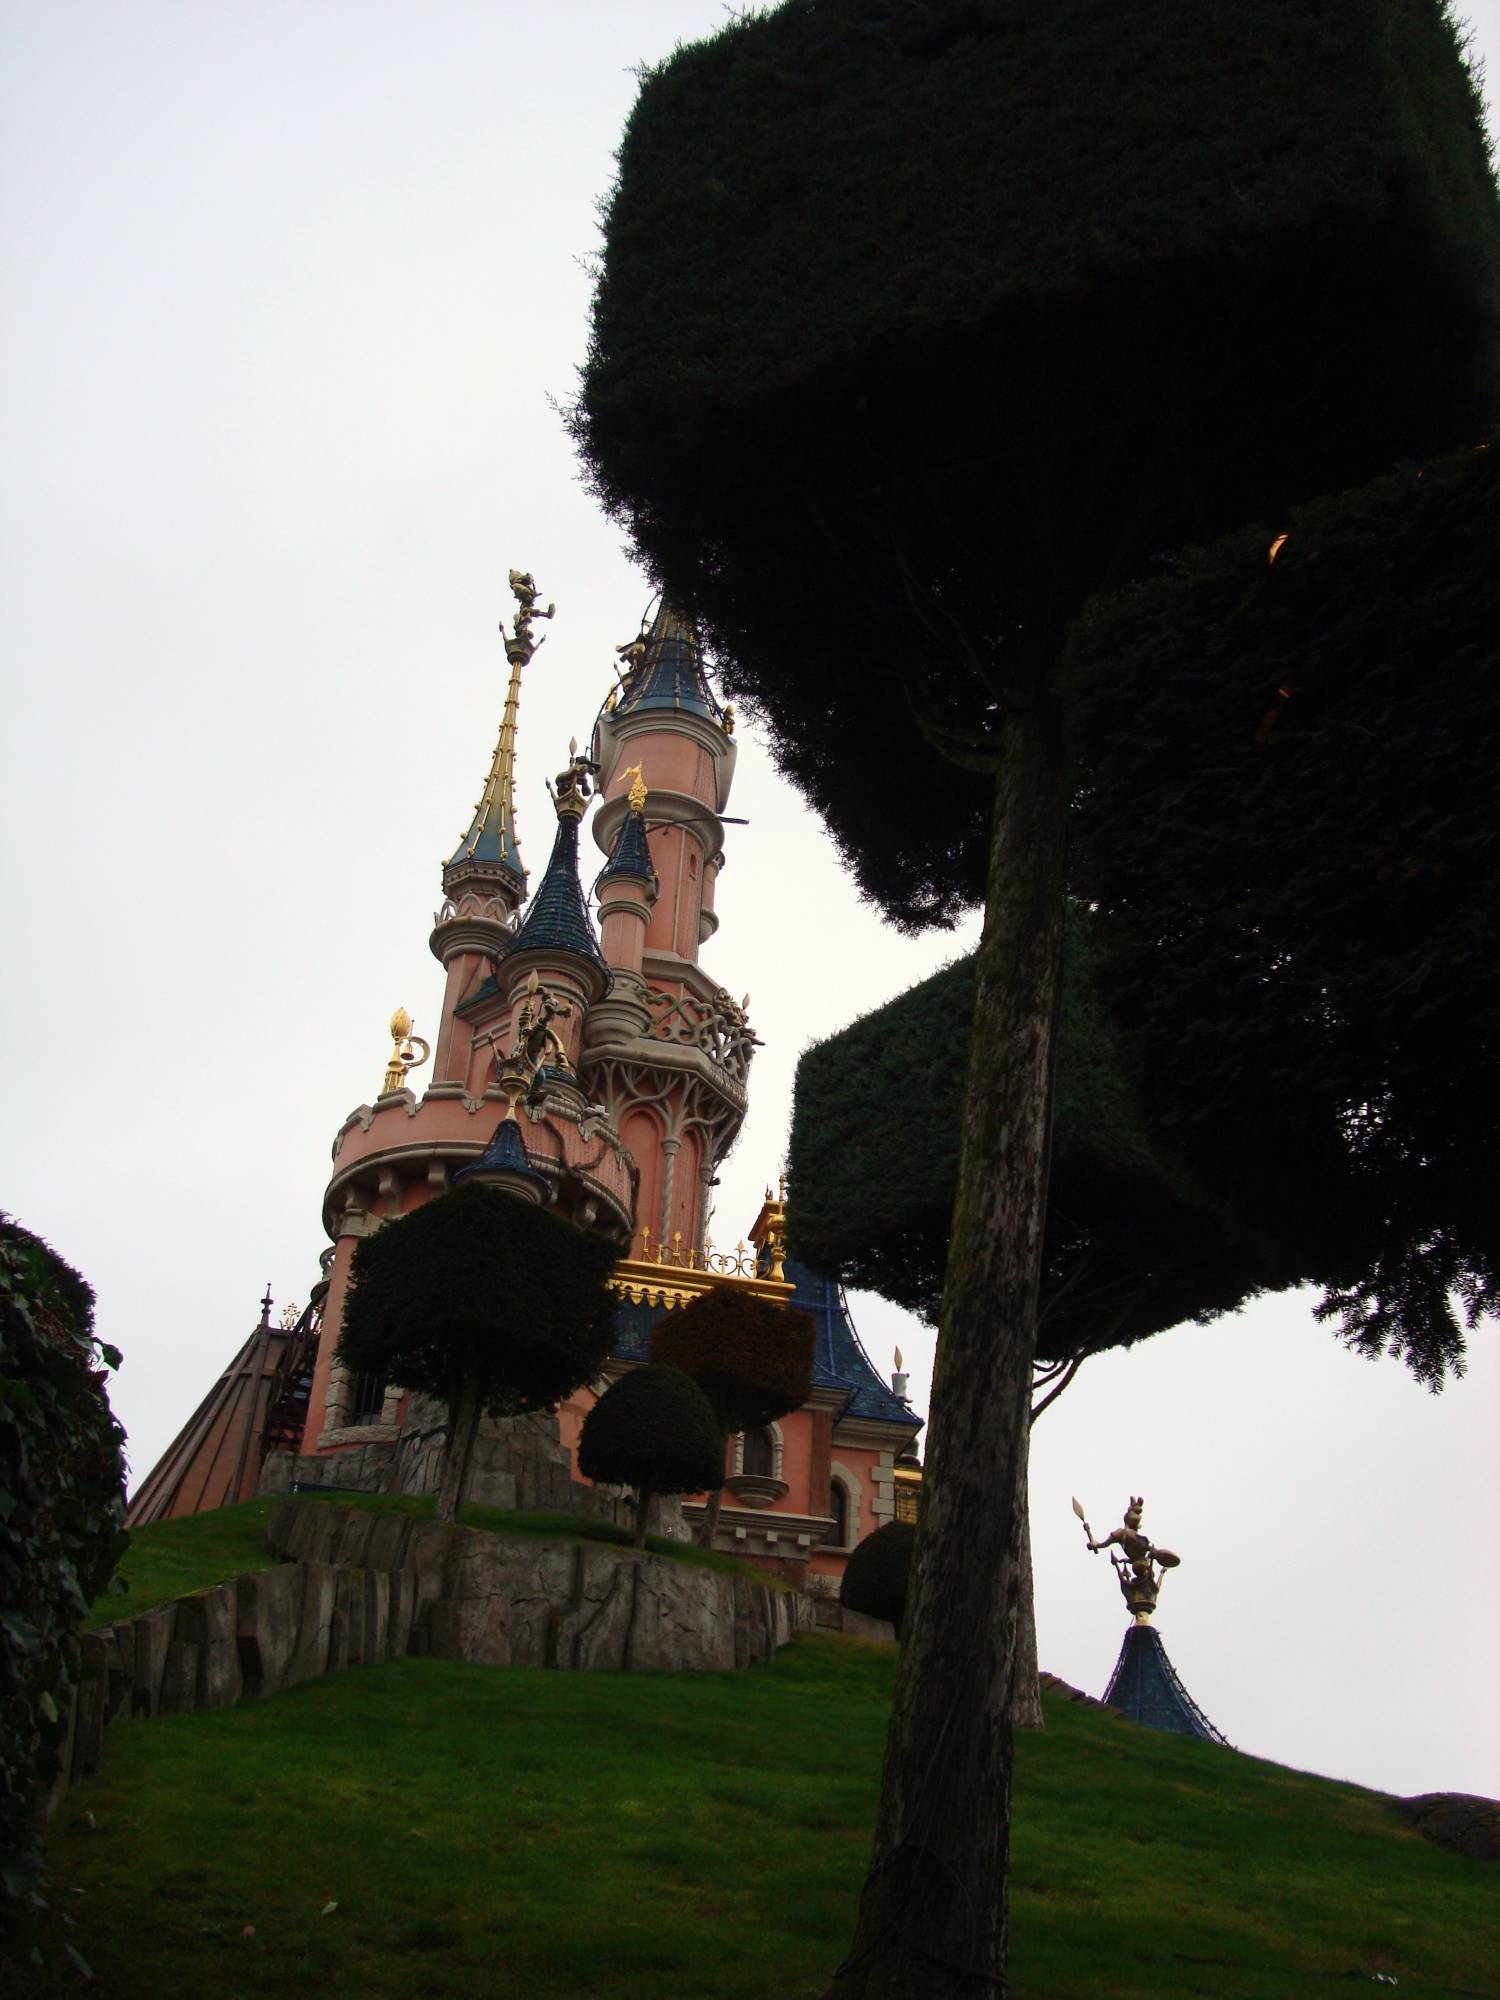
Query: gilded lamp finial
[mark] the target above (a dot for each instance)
(404, 1055)
(1137, 1567)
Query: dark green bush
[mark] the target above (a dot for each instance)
(877, 1574)
(62, 1509)
(480, 1288)
(751, 1357)
(654, 1430)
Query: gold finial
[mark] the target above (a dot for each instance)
(729, 718)
(898, 1360)
(637, 794)
(1140, 1583)
(404, 1055)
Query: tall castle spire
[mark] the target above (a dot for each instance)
(489, 855)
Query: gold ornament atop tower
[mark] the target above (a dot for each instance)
(404, 1055)
(1137, 1567)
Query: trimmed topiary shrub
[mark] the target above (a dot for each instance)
(878, 1572)
(654, 1430)
(750, 1357)
(480, 1299)
(62, 1509)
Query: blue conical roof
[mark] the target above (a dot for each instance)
(557, 918)
(1145, 1687)
(632, 853)
(669, 673)
(506, 1153)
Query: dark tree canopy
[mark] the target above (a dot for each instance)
(1130, 1249)
(653, 1429)
(919, 324)
(1300, 906)
(876, 1576)
(750, 1357)
(1280, 1057)
(479, 1290)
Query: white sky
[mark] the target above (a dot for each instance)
(290, 287)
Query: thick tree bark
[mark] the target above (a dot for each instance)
(463, 1426)
(932, 1920)
(1025, 1685)
(710, 1523)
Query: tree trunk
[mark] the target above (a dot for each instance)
(1025, 1687)
(709, 1529)
(644, 1497)
(932, 1919)
(463, 1427)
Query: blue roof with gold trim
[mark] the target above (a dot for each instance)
(668, 673)
(557, 918)
(839, 1359)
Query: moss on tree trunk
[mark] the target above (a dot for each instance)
(932, 1921)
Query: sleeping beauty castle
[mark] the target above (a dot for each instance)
(582, 1058)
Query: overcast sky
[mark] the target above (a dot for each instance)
(293, 290)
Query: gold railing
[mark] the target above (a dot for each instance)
(669, 1273)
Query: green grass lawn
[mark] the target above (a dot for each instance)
(520, 1834)
(171, 1558)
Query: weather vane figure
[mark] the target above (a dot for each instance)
(1139, 1565)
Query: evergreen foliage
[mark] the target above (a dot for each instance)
(62, 1510)
(654, 1430)
(1311, 1013)
(1131, 1248)
(920, 321)
(1301, 901)
(878, 1572)
(750, 1357)
(480, 1289)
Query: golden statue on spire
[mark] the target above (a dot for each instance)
(1136, 1568)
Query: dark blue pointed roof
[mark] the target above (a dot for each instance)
(506, 1153)
(1146, 1688)
(557, 918)
(839, 1361)
(669, 674)
(632, 855)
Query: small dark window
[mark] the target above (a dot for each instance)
(838, 1506)
(760, 1453)
(366, 1400)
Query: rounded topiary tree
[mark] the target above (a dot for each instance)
(750, 1357)
(484, 1301)
(654, 1430)
(62, 1511)
(877, 1574)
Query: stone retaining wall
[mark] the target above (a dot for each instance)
(355, 1588)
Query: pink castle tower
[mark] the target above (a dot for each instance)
(603, 1072)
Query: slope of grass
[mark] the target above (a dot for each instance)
(427, 1828)
(171, 1558)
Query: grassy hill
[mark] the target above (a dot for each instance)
(426, 1828)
